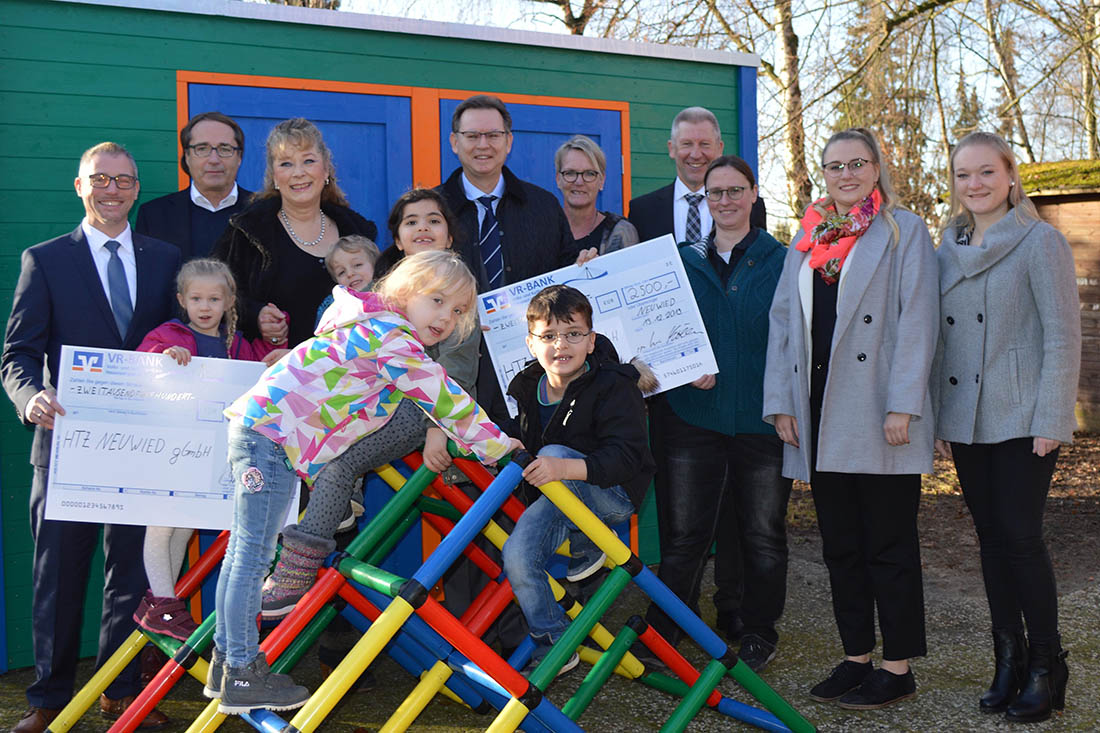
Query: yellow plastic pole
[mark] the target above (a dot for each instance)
(590, 656)
(509, 718)
(90, 692)
(430, 683)
(358, 659)
(209, 719)
(586, 521)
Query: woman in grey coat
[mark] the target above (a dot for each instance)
(851, 341)
(1004, 385)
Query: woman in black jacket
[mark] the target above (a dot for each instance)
(276, 247)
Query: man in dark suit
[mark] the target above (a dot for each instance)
(194, 218)
(679, 208)
(509, 230)
(103, 286)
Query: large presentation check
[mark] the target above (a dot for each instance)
(143, 439)
(641, 300)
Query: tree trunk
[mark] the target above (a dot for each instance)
(799, 188)
(1009, 80)
(1089, 59)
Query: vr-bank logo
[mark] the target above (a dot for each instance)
(496, 302)
(87, 361)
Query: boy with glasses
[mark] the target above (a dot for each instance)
(582, 412)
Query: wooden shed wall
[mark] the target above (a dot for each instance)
(73, 74)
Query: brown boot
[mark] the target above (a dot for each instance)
(35, 720)
(113, 710)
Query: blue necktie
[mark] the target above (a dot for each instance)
(119, 290)
(490, 242)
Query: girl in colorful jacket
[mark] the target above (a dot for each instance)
(354, 383)
(207, 294)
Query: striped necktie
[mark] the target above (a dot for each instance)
(489, 241)
(694, 229)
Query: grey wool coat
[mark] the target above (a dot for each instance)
(882, 350)
(1009, 351)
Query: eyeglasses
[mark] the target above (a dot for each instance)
(573, 337)
(571, 176)
(102, 180)
(203, 150)
(734, 192)
(855, 166)
(493, 136)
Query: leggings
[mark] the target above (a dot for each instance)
(1005, 486)
(164, 551)
(402, 434)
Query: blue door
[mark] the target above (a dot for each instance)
(369, 136)
(538, 132)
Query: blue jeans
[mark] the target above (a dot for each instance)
(258, 517)
(539, 531)
(729, 490)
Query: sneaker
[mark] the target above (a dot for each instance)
(168, 616)
(536, 659)
(756, 652)
(584, 566)
(844, 678)
(256, 686)
(879, 689)
(212, 690)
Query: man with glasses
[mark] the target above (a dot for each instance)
(678, 208)
(194, 218)
(103, 286)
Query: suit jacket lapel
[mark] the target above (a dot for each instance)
(90, 275)
(859, 268)
(667, 209)
(181, 215)
(144, 261)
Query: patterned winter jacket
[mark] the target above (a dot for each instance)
(346, 382)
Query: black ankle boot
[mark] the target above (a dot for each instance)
(1010, 658)
(1045, 687)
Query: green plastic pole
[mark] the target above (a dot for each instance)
(597, 606)
(430, 505)
(770, 699)
(371, 576)
(664, 683)
(712, 674)
(601, 671)
(392, 513)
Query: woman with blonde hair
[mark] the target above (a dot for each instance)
(580, 167)
(1005, 383)
(276, 247)
(850, 347)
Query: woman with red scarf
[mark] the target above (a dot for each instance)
(851, 341)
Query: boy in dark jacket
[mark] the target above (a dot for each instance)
(582, 412)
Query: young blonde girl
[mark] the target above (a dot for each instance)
(207, 295)
(363, 377)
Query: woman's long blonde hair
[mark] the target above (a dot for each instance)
(437, 271)
(959, 215)
(883, 184)
(217, 270)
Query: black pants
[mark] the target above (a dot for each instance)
(869, 542)
(730, 489)
(1006, 485)
(62, 561)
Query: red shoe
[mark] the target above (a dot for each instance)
(168, 616)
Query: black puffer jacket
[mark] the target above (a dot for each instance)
(601, 415)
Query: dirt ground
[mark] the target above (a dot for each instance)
(949, 546)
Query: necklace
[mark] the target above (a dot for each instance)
(294, 235)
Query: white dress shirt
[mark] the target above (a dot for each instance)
(204, 203)
(474, 193)
(102, 257)
(680, 212)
